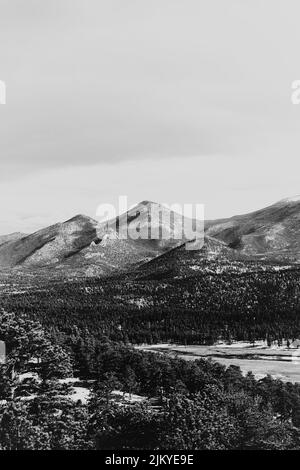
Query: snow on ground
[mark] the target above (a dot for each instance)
(80, 394)
(277, 361)
(242, 344)
(77, 392)
(68, 380)
(292, 199)
(29, 375)
(221, 344)
(132, 398)
(142, 302)
(256, 345)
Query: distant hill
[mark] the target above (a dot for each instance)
(50, 245)
(270, 233)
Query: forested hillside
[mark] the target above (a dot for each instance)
(85, 328)
(186, 405)
(248, 306)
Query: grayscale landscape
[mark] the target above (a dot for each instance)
(149, 228)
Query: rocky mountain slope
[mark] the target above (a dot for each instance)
(83, 246)
(50, 245)
(11, 237)
(270, 233)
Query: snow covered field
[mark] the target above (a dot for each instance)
(278, 361)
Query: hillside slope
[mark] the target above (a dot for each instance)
(50, 245)
(83, 246)
(214, 256)
(272, 232)
(11, 237)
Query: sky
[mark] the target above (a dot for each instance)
(168, 100)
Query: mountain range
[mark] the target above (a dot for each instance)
(83, 246)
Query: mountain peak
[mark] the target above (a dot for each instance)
(147, 203)
(81, 218)
(291, 199)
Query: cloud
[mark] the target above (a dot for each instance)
(98, 83)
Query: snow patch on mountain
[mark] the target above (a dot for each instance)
(292, 199)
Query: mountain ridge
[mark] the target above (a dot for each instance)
(86, 246)
(271, 231)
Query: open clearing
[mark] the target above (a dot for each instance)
(279, 362)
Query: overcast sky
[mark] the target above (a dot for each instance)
(168, 100)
